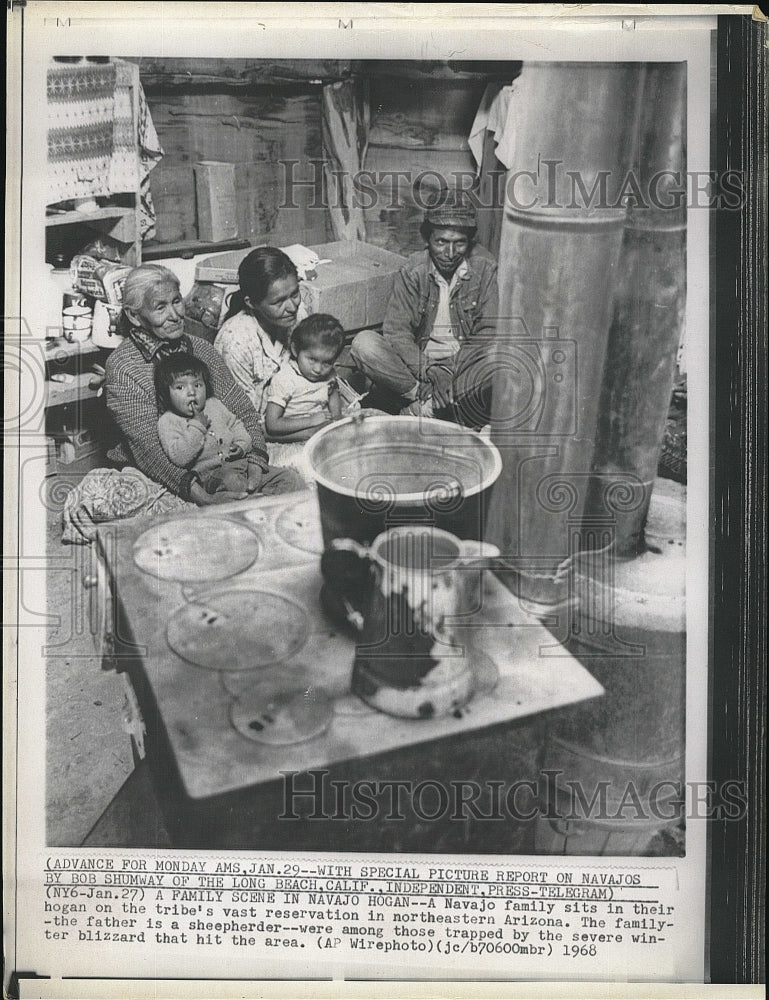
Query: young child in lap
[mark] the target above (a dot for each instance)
(303, 395)
(198, 432)
(306, 394)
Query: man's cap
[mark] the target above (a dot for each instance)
(453, 208)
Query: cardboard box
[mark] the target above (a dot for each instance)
(216, 200)
(354, 286)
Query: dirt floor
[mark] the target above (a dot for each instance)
(88, 752)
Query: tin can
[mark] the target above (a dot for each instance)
(72, 299)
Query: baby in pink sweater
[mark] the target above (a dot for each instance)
(198, 432)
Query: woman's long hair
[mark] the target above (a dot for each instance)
(256, 273)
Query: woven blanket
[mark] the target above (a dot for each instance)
(96, 146)
(105, 495)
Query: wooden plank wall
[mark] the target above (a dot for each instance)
(257, 113)
(256, 128)
(416, 125)
(173, 71)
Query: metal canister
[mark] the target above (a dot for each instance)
(561, 239)
(76, 322)
(616, 764)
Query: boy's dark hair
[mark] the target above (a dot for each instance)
(170, 367)
(318, 330)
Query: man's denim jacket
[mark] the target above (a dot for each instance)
(410, 314)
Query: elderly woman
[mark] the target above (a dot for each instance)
(153, 321)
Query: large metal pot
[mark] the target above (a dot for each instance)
(375, 472)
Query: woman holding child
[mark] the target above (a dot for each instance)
(153, 320)
(283, 358)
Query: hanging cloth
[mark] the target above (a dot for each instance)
(150, 154)
(346, 120)
(81, 130)
(491, 120)
(486, 132)
(99, 144)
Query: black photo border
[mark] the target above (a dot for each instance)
(738, 413)
(737, 849)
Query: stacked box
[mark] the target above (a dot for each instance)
(216, 201)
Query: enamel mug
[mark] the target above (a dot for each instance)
(421, 584)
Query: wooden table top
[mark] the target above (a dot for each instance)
(535, 673)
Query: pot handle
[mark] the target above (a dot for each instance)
(472, 552)
(350, 545)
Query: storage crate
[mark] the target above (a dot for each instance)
(354, 286)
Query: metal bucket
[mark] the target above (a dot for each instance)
(375, 472)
